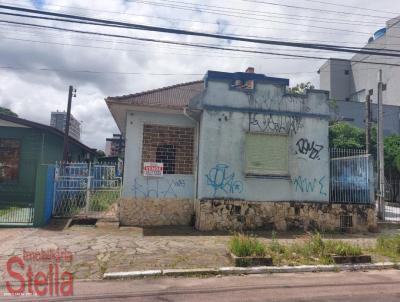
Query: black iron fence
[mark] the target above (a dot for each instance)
(16, 214)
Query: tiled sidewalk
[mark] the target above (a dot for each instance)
(97, 250)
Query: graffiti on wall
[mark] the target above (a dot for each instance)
(158, 188)
(308, 148)
(310, 185)
(275, 123)
(220, 180)
(286, 103)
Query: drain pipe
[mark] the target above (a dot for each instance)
(195, 193)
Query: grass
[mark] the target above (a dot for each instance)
(246, 246)
(7, 210)
(312, 250)
(101, 200)
(389, 245)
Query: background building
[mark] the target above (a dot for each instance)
(58, 120)
(115, 145)
(355, 113)
(351, 80)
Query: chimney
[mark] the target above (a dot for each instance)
(250, 70)
(250, 83)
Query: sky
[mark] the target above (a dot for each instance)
(38, 65)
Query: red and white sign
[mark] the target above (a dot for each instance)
(153, 169)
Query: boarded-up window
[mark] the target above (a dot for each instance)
(266, 154)
(9, 159)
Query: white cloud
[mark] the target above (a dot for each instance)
(33, 94)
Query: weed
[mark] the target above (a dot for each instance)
(342, 248)
(389, 245)
(246, 246)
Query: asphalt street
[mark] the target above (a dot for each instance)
(343, 286)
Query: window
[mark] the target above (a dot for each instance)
(166, 154)
(9, 159)
(171, 145)
(267, 154)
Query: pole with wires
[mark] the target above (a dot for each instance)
(380, 147)
(71, 94)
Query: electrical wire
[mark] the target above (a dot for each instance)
(101, 22)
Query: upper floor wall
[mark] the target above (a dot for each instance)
(261, 144)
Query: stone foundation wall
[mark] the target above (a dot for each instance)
(283, 216)
(155, 212)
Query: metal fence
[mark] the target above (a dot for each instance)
(391, 209)
(85, 189)
(16, 214)
(351, 176)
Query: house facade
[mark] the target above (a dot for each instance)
(235, 150)
(24, 147)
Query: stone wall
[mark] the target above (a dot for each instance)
(155, 212)
(283, 216)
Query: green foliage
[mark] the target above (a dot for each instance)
(101, 200)
(313, 250)
(301, 88)
(342, 248)
(246, 246)
(100, 153)
(7, 111)
(343, 135)
(392, 153)
(389, 245)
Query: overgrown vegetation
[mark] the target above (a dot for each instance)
(389, 245)
(246, 246)
(311, 250)
(101, 200)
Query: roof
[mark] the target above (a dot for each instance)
(245, 76)
(46, 128)
(172, 97)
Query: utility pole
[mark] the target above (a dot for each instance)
(380, 157)
(71, 93)
(368, 117)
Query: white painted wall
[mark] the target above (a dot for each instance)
(135, 184)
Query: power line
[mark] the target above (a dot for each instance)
(101, 22)
(224, 9)
(196, 21)
(350, 6)
(313, 9)
(287, 16)
(204, 46)
(242, 16)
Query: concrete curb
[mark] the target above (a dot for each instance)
(250, 270)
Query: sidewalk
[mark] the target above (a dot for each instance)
(98, 250)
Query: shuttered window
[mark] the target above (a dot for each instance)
(267, 154)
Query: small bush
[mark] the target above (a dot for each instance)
(246, 246)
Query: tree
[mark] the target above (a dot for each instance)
(392, 155)
(301, 88)
(7, 111)
(343, 135)
(100, 153)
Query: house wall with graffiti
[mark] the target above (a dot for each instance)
(169, 186)
(229, 114)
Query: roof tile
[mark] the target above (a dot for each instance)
(174, 97)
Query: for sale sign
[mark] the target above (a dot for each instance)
(153, 169)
